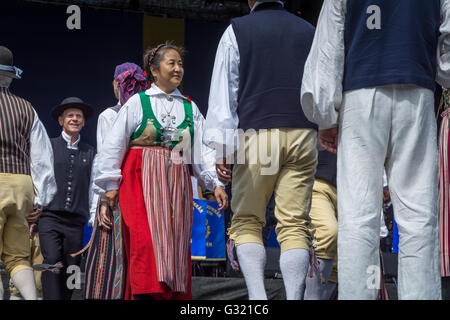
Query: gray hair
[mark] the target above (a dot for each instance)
(5, 81)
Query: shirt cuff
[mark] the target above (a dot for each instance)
(111, 186)
(218, 184)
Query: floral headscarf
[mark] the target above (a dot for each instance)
(131, 80)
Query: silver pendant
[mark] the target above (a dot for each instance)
(168, 119)
(169, 136)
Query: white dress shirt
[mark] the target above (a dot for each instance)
(129, 120)
(41, 163)
(222, 119)
(321, 93)
(68, 139)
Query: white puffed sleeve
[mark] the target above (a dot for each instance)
(321, 91)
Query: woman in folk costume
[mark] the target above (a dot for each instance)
(147, 155)
(105, 274)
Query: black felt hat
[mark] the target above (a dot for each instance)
(72, 102)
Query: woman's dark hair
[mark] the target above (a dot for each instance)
(154, 56)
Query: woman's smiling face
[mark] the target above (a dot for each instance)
(170, 73)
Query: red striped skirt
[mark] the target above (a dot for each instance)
(156, 202)
(444, 193)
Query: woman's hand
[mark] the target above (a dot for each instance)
(112, 198)
(104, 217)
(221, 198)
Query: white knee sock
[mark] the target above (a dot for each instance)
(252, 260)
(315, 289)
(294, 267)
(25, 283)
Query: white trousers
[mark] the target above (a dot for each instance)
(391, 127)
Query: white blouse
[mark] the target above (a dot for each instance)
(129, 120)
(104, 124)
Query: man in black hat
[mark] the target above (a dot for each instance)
(27, 180)
(62, 221)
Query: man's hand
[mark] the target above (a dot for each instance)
(31, 229)
(104, 217)
(112, 198)
(328, 139)
(33, 216)
(223, 171)
(221, 198)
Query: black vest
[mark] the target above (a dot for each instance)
(273, 47)
(73, 176)
(326, 167)
(391, 42)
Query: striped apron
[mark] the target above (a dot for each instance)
(444, 193)
(156, 201)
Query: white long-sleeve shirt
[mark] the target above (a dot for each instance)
(41, 163)
(129, 120)
(321, 92)
(222, 119)
(104, 124)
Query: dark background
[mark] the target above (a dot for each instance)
(59, 63)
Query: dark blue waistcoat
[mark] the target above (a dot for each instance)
(273, 46)
(391, 42)
(73, 176)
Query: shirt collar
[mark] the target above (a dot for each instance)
(259, 2)
(154, 90)
(68, 139)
